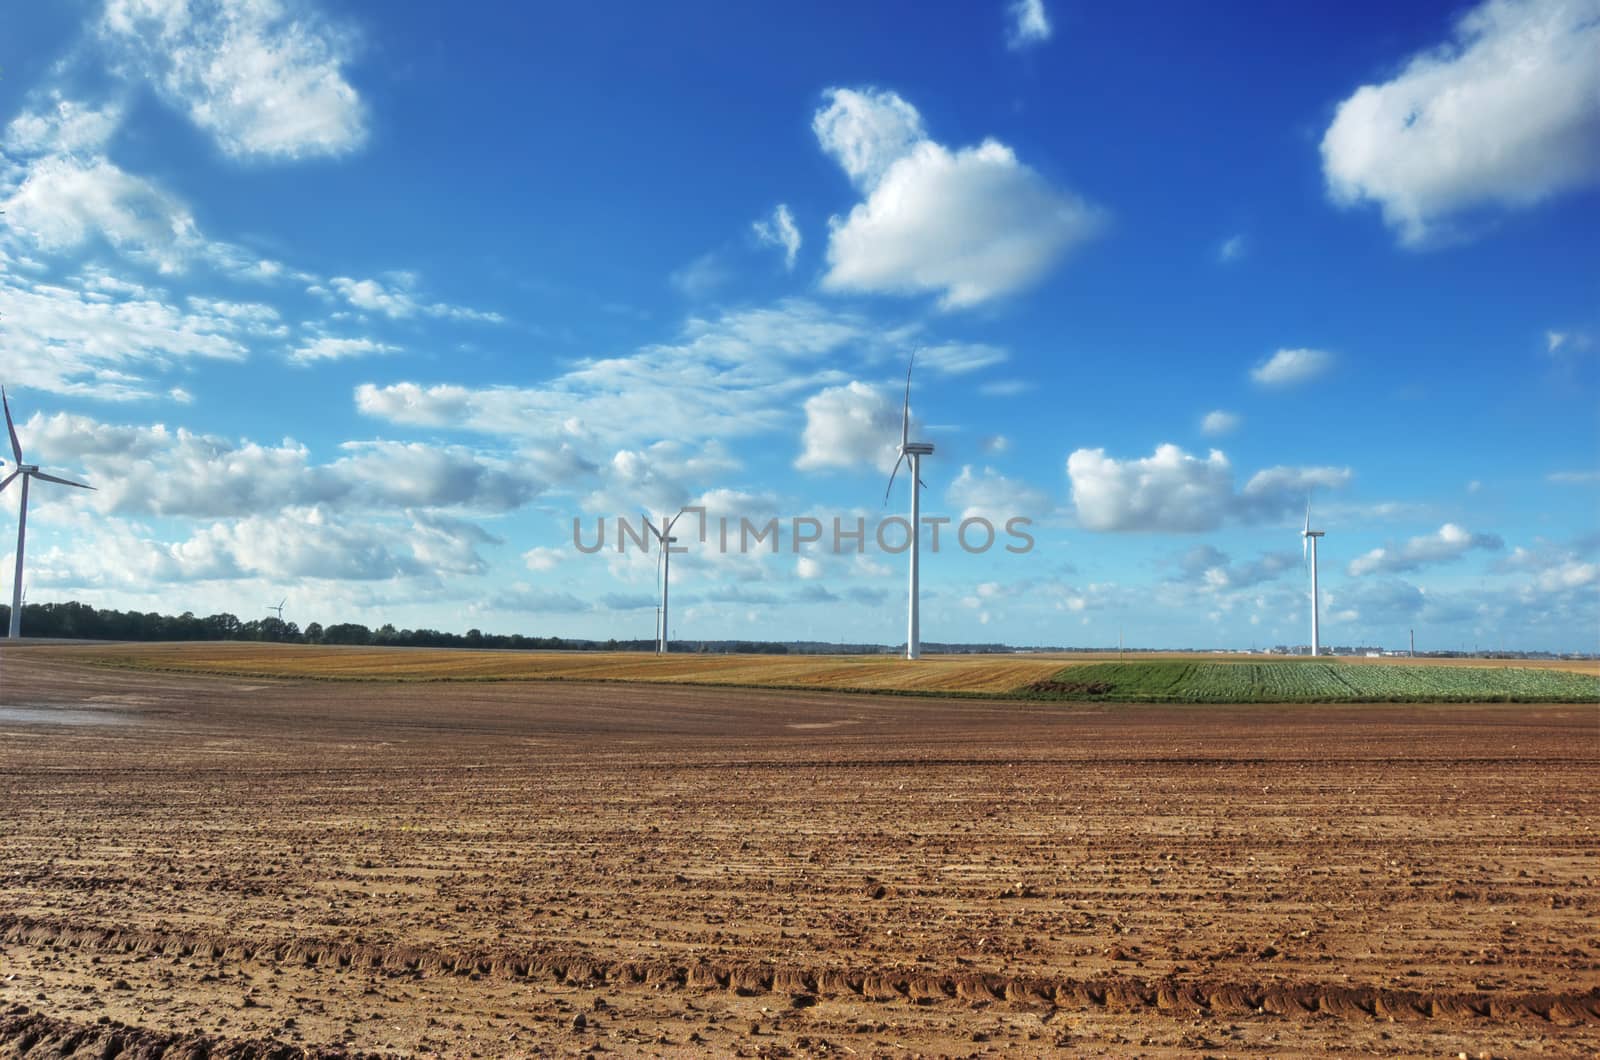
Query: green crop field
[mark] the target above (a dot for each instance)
(1178, 681)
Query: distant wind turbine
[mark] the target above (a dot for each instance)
(278, 607)
(915, 451)
(25, 472)
(663, 576)
(1308, 540)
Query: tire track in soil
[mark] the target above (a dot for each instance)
(1117, 993)
(35, 1036)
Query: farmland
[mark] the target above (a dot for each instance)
(1182, 681)
(229, 865)
(1172, 677)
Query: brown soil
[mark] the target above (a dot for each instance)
(256, 868)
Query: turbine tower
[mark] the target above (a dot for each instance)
(1308, 540)
(915, 451)
(25, 472)
(663, 576)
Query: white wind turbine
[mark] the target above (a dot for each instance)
(25, 472)
(278, 607)
(915, 451)
(663, 576)
(1308, 541)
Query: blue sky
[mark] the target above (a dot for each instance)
(363, 304)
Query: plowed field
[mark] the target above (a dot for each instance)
(235, 866)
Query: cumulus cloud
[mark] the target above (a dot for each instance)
(295, 543)
(1212, 568)
(153, 470)
(1447, 543)
(1232, 249)
(779, 231)
(264, 78)
(850, 425)
(1170, 490)
(1218, 422)
(971, 224)
(62, 126)
(1027, 24)
(1574, 478)
(1506, 114)
(1292, 367)
(65, 201)
(988, 494)
(1549, 567)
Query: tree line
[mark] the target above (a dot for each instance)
(78, 621)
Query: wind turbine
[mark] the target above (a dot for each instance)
(278, 607)
(915, 451)
(663, 576)
(26, 472)
(1308, 540)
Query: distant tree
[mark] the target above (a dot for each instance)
(314, 633)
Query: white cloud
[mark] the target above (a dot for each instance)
(990, 495)
(332, 349)
(63, 127)
(1291, 367)
(1028, 24)
(151, 470)
(1232, 249)
(1574, 478)
(971, 224)
(397, 299)
(850, 425)
(65, 201)
(779, 231)
(701, 276)
(867, 132)
(541, 559)
(1218, 422)
(1507, 114)
(1213, 569)
(308, 542)
(737, 374)
(1448, 542)
(102, 336)
(262, 77)
(1173, 491)
(1006, 387)
(960, 358)
(808, 567)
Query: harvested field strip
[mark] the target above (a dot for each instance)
(1310, 682)
(937, 675)
(918, 985)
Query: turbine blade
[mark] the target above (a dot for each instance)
(905, 409)
(921, 483)
(7, 480)
(890, 488)
(11, 429)
(1308, 513)
(673, 521)
(61, 481)
(651, 526)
